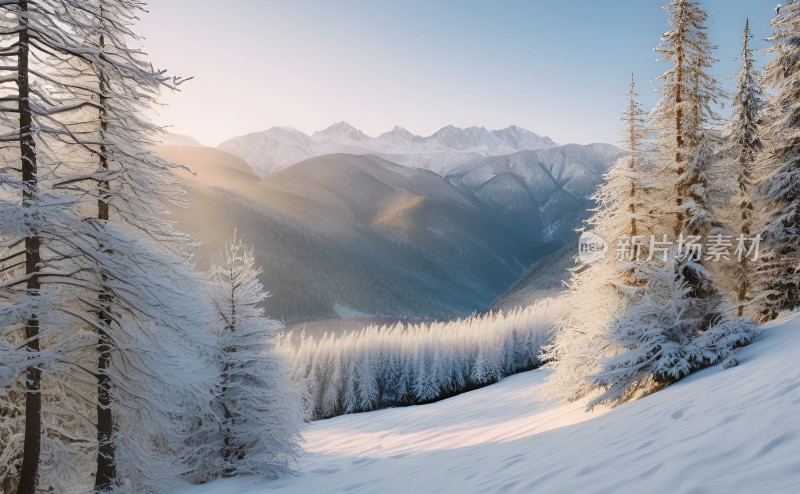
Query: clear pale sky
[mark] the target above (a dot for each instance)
(558, 68)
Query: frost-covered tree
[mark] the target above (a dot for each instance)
(679, 322)
(697, 210)
(406, 364)
(779, 185)
(635, 142)
(688, 92)
(626, 215)
(261, 406)
(665, 335)
(700, 219)
(125, 178)
(83, 205)
(743, 144)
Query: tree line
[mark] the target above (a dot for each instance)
(415, 363)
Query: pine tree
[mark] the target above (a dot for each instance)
(679, 322)
(626, 213)
(743, 144)
(688, 92)
(330, 405)
(683, 117)
(699, 219)
(103, 259)
(635, 143)
(665, 335)
(261, 408)
(779, 185)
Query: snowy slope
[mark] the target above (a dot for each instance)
(733, 430)
(450, 147)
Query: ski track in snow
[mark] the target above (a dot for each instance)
(726, 431)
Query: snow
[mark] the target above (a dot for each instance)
(719, 430)
(279, 147)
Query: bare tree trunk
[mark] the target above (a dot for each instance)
(33, 397)
(106, 468)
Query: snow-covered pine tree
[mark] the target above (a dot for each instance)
(350, 391)
(331, 404)
(261, 406)
(417, 363)
(111, 274)
(366, 370)
(699, 219)
(662, 336)
(688, 92)
(635, 142)
(779, 168)
(626, 216)
(681, 322)
(743, 144)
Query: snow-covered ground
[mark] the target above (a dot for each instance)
(734, 430)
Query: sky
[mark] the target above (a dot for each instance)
(558, 68)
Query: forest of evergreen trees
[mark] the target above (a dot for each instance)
(125, 369)
(666, 307)
(408, 364)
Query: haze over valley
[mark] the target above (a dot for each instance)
(343, 231)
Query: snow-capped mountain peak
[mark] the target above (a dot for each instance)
(399, 133)
(446, 149)
(341, 132)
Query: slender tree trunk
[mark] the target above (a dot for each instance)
(744, 284)
(632, 150)
(679, 141)
(229, 450)
(742, 296)
(33, 397)
(679, 130)
(106, 468)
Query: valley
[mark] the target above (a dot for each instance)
(345, 235)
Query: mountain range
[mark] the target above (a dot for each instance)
(450, 147)
(351, 235)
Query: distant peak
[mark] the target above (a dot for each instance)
(398, 131)
(342, 129)
(338, 127)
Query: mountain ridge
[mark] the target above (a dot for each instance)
(271, 150)
(348, 234)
